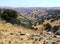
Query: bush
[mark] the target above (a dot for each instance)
(48, 27)
(55, 28)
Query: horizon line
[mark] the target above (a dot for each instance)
(30, 6)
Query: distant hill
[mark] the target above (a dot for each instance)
(29, 16)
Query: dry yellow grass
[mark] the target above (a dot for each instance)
(41, 26)
(13, 34)
(55, 23)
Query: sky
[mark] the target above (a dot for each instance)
(30, 3)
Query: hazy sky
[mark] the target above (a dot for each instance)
(30, 3)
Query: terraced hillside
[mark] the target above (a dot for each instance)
(13, 34)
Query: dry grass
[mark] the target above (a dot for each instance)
(13, 34)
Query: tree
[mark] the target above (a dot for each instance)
(9, 15)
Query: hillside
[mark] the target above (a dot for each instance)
(13, 34)
(30, 26)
